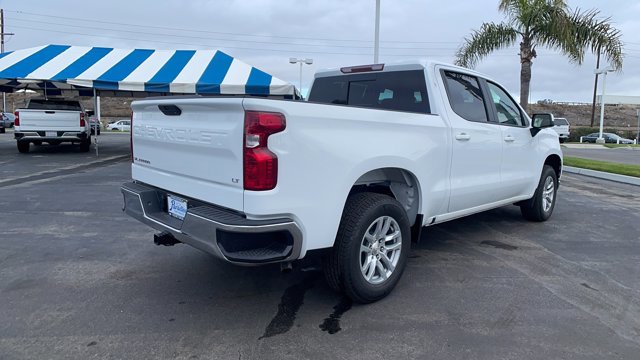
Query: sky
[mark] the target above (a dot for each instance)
(333, 33)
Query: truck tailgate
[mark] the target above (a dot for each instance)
(191, 147)
(58, 120)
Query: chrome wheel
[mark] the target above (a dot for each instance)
(380, 249)
(548, 193)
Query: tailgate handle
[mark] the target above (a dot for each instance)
(49, 112)
(170, 110)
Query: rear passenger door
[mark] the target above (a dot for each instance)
(477, 143)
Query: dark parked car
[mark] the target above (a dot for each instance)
(94, 123)
(609, 138)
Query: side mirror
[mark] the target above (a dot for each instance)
(541, 121)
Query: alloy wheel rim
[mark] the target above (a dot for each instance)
(548, 194)
(380, 250)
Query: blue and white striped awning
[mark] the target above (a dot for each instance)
(63, 67)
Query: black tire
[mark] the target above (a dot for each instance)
(37, 143)
(538, 208)
(23, 146)
(562, 140)
(343, 265)
(85, 145)
(2, 130)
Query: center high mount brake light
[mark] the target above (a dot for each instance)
(362, 68)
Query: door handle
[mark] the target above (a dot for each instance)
(509, 138)
(463, 136)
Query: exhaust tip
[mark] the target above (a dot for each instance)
(165, 239)
(286, 267)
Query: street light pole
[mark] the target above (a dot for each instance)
(638, 133)
(2, 34)
(604, 72)
(301, 61)
(376, 45)
(604, 86)
(595, 91)
(300, 76)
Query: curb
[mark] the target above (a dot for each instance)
(583, 146)
(631, 180)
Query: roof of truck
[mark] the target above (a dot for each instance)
(398, 66)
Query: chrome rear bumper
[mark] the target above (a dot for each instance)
(223, 233)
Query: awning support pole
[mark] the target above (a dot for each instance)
(96, 113)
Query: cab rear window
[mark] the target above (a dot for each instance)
(398, 90)
(36, 104)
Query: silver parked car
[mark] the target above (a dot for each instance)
(8, 119)
(121, 125)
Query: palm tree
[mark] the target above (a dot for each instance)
(547, 23)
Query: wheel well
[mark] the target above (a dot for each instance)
(400, 184)
(556, 163)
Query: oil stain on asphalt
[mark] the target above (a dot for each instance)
(290, 303)
(499, 245)
(332, 323)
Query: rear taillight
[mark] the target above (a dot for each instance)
(260, 164)
(82, 123)
(131, 137)
(16, 122)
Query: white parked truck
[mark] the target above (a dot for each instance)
(52, 121)
(562, 128)
(376, 153)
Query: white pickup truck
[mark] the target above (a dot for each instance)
(376, 153)
(52, 121)
(562, 128)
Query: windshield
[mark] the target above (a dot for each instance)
(54, 105)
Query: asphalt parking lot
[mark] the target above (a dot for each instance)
(79, 279)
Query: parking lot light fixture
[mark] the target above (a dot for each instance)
(301, 62)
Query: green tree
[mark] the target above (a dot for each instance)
(546, 23)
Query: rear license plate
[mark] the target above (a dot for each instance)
(50, 133)
(176, 207)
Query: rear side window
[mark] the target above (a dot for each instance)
(54, 105)
(398, 90)
(465, 96)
